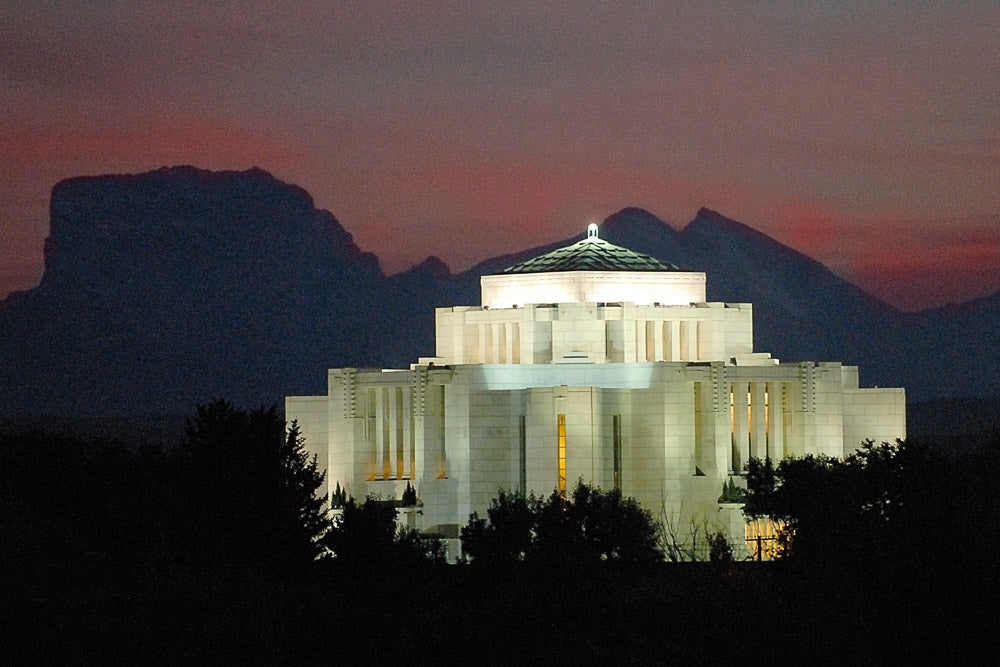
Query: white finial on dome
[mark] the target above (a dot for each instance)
(592, 230)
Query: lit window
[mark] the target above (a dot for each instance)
(761, 538)
(562, 455)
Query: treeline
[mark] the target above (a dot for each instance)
(112, 548)
(898, 544)
(220, 549)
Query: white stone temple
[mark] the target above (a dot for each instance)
(590, 362)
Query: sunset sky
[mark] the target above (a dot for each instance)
(866, 135)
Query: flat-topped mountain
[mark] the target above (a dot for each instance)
(180, 285)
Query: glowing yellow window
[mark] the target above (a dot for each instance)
(562, 455)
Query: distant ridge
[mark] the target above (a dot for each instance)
(180, 285)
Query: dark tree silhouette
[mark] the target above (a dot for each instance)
(366, 536)
(252, 489)
(587, 529)
(506, 536)
(899, 504)
(902, 538)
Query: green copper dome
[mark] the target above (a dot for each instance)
(591, 254)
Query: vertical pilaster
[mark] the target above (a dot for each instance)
(418, 404)
(675, 340)
(741, 425)
(499, 343)
(483, 329)
(696, 341)
(758, 421)
(776, 420)
(692, 341)
(508, 342)
(392, 434)
(406, 416)
(640, 341)
(515, 343)
(722, 417)
(380, 432)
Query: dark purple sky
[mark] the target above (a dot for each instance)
(866, 135)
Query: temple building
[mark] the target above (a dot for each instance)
(590, 362)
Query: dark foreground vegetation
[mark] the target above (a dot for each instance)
(218, 550)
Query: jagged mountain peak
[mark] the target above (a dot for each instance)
(633, 214)
(635, 221)
(737, 237)
(432, 266)
(707, 219)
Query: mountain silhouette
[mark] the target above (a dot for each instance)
(170, 288)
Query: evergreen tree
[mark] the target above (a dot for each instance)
(409, 498)
(339, 497)
(251, 489)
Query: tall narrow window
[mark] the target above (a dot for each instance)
(562, 455)
(616, 450)
(522, 455)
(767, 425)
(371, 436)
(370, 415)
(398, 450)
(443, 454)
(411, 441)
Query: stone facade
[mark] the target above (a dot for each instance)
(644, 390)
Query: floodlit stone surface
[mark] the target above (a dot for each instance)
(661, 396)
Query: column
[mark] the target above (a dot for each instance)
(391, 434)
(692, 341)
(675, 340)
(758, 421)
(379, 435)
(483, 328)
(418, 426)
(499, 343)
(775, 421)
(640, 341)
(508, 337)
(406, 411)
(741, 425)
(658, 342)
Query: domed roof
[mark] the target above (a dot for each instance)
(591, 254)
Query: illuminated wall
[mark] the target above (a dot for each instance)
(595, 333)
(675, 288)
(622, 379)
(461, 432)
